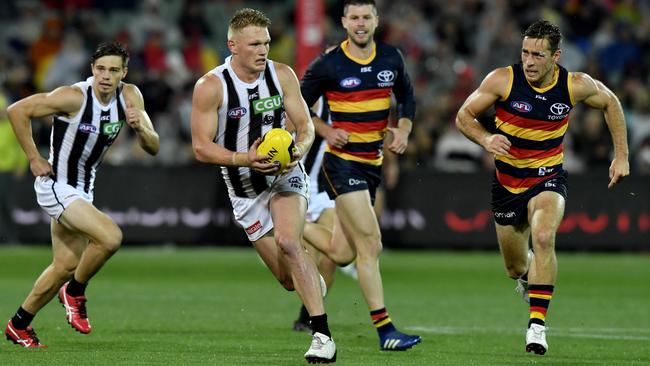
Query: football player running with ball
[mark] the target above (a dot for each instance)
(232, 107)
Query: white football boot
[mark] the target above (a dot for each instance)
(322, 349)
(536, 339)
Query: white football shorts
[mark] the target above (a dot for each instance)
(318, 203)
(54, 197)
(254, 215)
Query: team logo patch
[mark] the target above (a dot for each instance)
(296, 182)
(350, 82)
(237, 113)
(521, 106)
(253, 228)
(112, 128)
(87, 128)
(267, 104)
(268, 119)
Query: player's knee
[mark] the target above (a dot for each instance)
(515, 271)
(544, 239)
(112, 240)
(288, 246)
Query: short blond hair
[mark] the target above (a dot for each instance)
(247, 17)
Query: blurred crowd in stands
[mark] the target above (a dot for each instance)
(449, 47)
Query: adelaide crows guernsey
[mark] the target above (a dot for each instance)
(535, 121)
(78, 144)
(248, 111)
(358, 93)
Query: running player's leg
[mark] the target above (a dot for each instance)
(360, 226)
(545, 212)
(513, 243)
(326, 236)
(104, 239)
(287, 211)
(359, 223)
(67, 248)
(545, 215)
(104, 236)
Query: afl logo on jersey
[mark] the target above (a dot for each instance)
(87, 128)
(237, 113)
(350, 82)
(521, 106)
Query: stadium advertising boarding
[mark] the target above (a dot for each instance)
(188, 206)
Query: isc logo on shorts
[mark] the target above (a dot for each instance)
(253, 228)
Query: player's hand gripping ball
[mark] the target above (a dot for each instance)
(278, 147)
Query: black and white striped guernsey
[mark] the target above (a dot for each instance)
(248, 111)
(78, 144)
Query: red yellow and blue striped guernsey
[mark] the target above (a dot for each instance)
(358, 92)
(535, 121)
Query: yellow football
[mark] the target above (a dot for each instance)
(278, 147)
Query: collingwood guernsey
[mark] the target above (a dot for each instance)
(247, 111)
(78, 144)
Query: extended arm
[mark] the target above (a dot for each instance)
(64, 100)
(596, 95)
(139, 120)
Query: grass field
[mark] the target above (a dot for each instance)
(163, 306)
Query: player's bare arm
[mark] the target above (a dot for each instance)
(400, 134)
(492, 88)
(206, 100)
(65, 100)
(138, 119)
(296, 109)
(596, 95)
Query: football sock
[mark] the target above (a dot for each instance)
(382, 321)
(22, 319)
(319, 324)
(75, 288)
(540, 297)
(303, 317)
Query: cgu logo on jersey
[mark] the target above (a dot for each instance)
(87, 128)
(112, 128)
(521, 106)
(350, 82)
(267, 104)
(237, 113)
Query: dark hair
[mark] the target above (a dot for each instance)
(347, 3)
(543, 29)
(111, 49)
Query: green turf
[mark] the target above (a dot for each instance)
(165, 306)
